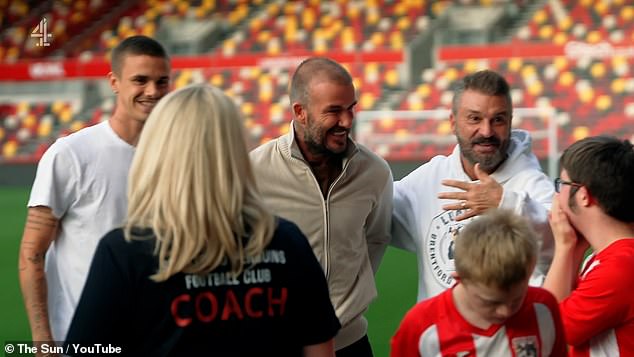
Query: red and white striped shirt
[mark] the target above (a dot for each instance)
(434, 327)
(598, 315)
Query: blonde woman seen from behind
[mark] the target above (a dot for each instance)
(201, 267)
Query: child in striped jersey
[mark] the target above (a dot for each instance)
(593, 207)
(491, 310)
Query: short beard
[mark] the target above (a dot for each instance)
(312, 140)
(488, 163)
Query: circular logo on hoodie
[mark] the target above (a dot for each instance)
(440, 244)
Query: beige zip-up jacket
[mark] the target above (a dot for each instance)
(348, 231)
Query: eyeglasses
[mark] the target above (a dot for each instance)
(559, 182)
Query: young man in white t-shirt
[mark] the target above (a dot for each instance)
(79, 192)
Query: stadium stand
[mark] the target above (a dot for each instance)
(256, 43)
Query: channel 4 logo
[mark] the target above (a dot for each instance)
(41, 32)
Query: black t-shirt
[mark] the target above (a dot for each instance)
(273, 308)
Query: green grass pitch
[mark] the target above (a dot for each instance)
(396, 281)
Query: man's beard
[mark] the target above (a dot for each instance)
(488, 163)
(315, 139)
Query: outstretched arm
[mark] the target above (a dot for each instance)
(40, 230)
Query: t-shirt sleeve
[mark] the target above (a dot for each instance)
(560, 348)
(600, 301)
(103, 311)
(56, 180)
(313, 316)
(405, 341)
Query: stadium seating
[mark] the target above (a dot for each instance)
(28, 127)
(586, 96)
(589, 21)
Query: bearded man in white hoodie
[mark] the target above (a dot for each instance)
(491, 166)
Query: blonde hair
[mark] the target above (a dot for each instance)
(191, 183)
(497, 249)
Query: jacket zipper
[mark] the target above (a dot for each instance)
(327, 212)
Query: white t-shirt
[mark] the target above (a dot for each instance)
(83, 179)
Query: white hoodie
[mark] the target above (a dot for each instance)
(420, 224)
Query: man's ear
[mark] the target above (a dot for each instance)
(455, 276)
(300, 113)
(452, 122)
(584, 197)
(114, 82)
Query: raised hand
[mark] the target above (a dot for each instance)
(476, 197)
(564, 233)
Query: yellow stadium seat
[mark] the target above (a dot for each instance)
(604, 102)
(598, 70)
(586, 94)
(401, 133)
(546, 32)
(66, 115)
(22, 108)
(182, 7)
(601, 7)
(367, 101)
(561, 38)
(386, 123)
(29, 121)
(444, 128)
(149, 29)
(586, 3)
(9, 149)
(540, 17)
(217, 80)
(44, 129)
(77, 125)
(284, 129)
(451, 74)
(618, 86)
(515, 64)
(594, 37)
(247, 109)
(565, 24)
(391, 78)
(535, 88)
(353, 12)
(580, 132)
(627, 13)
(396, 41)
(403, 23)
(566, 79)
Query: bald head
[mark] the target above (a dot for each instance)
(316, 69)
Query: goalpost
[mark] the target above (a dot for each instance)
(380, 131)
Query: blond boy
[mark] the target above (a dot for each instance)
(491, 310)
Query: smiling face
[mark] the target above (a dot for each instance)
(482, 125)
(326, 120)
(142, 82)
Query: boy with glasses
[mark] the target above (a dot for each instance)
(593, 207)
